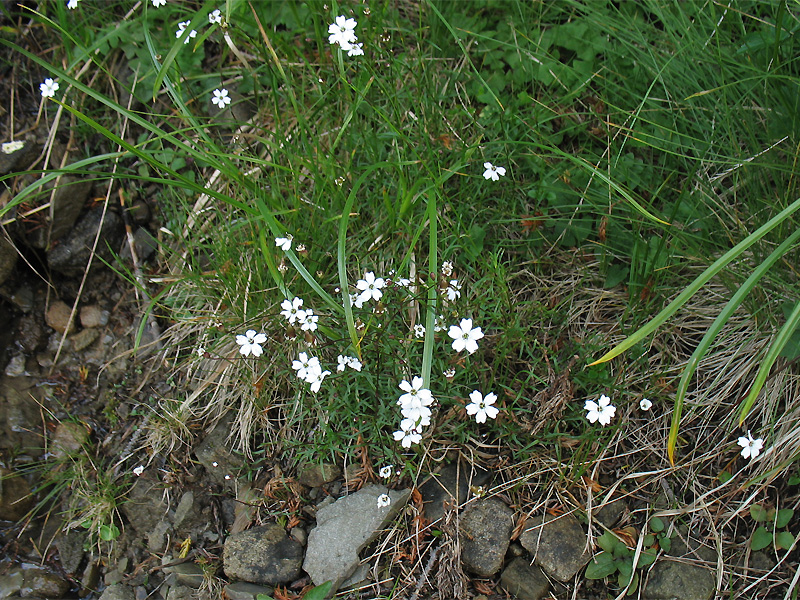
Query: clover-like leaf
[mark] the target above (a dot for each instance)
(761, 539)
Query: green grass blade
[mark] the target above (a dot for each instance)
(698, 283)
(711, 334)
(772, 355)
(433, 291)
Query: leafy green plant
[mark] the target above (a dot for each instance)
(767, 533)
(617, 557)
(316, 593)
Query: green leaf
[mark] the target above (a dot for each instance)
(783, 517)
(646, 558)
(657, 525)
(625, 568)
(601, 566)
(648, 540)
(758, 513)
(608, 541)
(665, 543)
(761, 539)
(319, 592)
(263, 597)
(108, 532)
(784, 540)
(725, 477)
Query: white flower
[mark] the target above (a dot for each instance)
(342, 31)
(384, 500)
(251, 342)
(284, 243)
(291, 309)
(316, 380)
(419, 330)
(438, 324)
(306, 367)
(48, 88)
(215, 17)
(355, 50)
(192, 34)
(138, 470)
(356, 300)
(200, 351)
(464, 336)
(157, 3)
(355, 363)
(308, 320)
(751, 448)
(386, 471)
(348, 361)
(408, 433)
(645, 404)
(453, 290)
(601, 411)
(72, 4)
(481, 406)
(221, 99)
(414, 392)
(370, 288)
(11, 147)
(492, 172)
(447, 268)
(449, 373)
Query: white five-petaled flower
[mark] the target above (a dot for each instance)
(449, 373)
(492, 172)
(200, 351)
(291, 309)
(447, 268)
(157, 3)
(601, 411)
(384, 500)
(307, 367)
(481, 406)
(251, 342)
(408, 433)
(192, 34)
(465, 337)
(355, 49)
(284, 243)
(138, 470)
(386, 471)
(308, 320)
(419, 330)
(415, 391)
(751, 448)
(645, 404)
(215, 17)
(370, 287)
(343, 32)
(72, 4)
(316, 380)
(348, 361)
(11, 147)
(48, 88)
(221, 98)
(453, 290)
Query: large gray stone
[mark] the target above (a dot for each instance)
(40, 583)
(558, 545)
(485, 534)
(15, 496)
(71, 255)
(316, 474)
(344, 528)
(118, 591)
(246, 591)
(8, 258)
(524, 581)
(264, 555)
(670, 580)
(450, 485)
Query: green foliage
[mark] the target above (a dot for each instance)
(767, 534)
(617, 557)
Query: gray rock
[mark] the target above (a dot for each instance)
(70, 550)
(71, 255)
(20, 159)
(143, 243)
(524, 581)
(43, 584)
(10, 584)
(314, 475)
(57, 316)
(93, 316)
(30, 333)
(8, 259)
(246, 591)
(344, 528)
(687, 544)
(214, 455)
(558, 546)
(145, 505)
(118, 591)
(264, 555)
(83, 339)
(610, 513)
(20, 399)
(66, 205)
(188, 574)
(671, 580)
(451, 484)
(485, 534)
(69, 439)
(16, 366)
(181, 592)
(15, 496)
(90, 578)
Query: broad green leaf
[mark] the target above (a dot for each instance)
(646, 558)
(784, 540)
(607, 541)
(601, 566)
(761, 539)
(657, 525)
(758, 513)
(783, 517)
(665, 543)
(319, 592)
